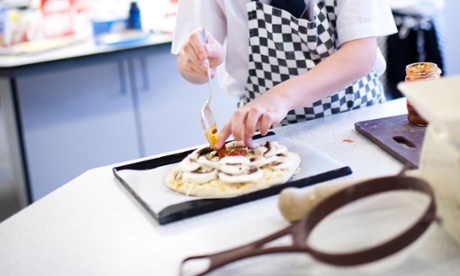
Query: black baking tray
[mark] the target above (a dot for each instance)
(193, 208)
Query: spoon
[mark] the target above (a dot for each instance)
(207, 118)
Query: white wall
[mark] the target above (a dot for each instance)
(451, 21)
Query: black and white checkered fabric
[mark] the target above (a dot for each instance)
(282, 46)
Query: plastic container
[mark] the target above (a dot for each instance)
(101, 27)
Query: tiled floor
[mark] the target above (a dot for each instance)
(9, 204)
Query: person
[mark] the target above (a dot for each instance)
(284, 69)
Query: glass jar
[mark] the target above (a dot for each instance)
(416, 72)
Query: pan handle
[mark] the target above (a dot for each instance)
(255, 248)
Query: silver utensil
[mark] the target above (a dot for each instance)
(207, 118)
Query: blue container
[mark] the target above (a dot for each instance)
(134, 20)
(101, 27)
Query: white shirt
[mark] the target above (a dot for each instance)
(227, 21)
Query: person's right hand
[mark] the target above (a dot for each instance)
(192, 57)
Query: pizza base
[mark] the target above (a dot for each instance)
(218, 189)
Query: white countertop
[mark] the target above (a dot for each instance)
(93, 226)
(77, 48)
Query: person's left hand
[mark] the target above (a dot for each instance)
(261, 113)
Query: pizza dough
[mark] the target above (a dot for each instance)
(241, 171)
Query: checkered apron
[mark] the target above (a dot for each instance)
(282, 46)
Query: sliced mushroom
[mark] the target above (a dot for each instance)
(285, 161)
(199, 177)
(235, 145)
(259, 150)
(280, 148)
(205, 162)
(234, 165)
(253, 175)
(260, 161)
(273, 148)
(189, 164)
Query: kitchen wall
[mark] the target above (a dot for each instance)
(450, 20)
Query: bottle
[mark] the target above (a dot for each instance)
(416, 72)
(134, 20)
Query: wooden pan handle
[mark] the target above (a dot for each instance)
(294, 203)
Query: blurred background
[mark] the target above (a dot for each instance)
(31, 27)
(22, 20)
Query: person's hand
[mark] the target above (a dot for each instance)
(268, 109)
(192, 57)
(261, 113)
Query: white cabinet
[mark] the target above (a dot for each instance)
(92, 112)
(74, 119)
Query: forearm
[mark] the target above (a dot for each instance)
(353, 61)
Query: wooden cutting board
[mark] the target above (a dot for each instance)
(396, 136)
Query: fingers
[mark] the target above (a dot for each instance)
(265, 123)
(215, 51)
(212, 51)
(238, 124)
(252, 122)
(193, 54)
(243, 125)
(197, 45)
(248, 141)
(224, 133)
